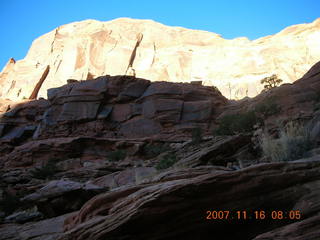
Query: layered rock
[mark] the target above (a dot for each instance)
(108, 136)
(87, 49)
(119, 106)
(48, 229)
(178, 209)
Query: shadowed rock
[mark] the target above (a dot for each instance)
(177, 209)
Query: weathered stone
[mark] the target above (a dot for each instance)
(163, 88)
(19, 133)
(127, 177)
(84, 50)
(14, 176)
(196, 111)
(89, 87)
(139, 127)
(121, 112)
(2, 129)
(49, 229)
(105, 112)
(173, 174)
(150, 211)
(305, 229)
(215, 151)
(54, 189)
(56, 92)
(164, 110)
(134, 89)
(68, 164)
(23, 216)
(76, 111)
(62, 196)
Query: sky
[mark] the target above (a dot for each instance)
(22, 21)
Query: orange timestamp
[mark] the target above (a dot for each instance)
(253, 215)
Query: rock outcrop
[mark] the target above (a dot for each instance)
(87, 49)
(178, 209)
(48, 229)
(117, 107)
(126, 158)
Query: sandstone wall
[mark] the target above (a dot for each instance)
(88, 49)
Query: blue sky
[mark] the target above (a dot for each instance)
(21, 21)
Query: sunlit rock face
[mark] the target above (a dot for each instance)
(146, 49)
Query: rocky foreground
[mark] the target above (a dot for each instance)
(125, 158)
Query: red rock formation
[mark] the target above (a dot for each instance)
(87, 49)
(178, 209)
(81, 123)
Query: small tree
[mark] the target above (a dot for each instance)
(167, 161)
(117, 155)
(271, 82)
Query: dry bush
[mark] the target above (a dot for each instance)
(293, 143)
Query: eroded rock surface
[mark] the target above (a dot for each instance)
(177, 209)
(49, 229)
(115, 107)
(120, 154)
(87, 49)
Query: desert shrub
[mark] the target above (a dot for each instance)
(237, 123)
(196, 135)
(46, 171)
(271, 82)
(268, 107)
(117, 155)
(166, 161)
(9, 203)
(293, 143)
(152, 150)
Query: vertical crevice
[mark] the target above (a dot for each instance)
(36, 90)
(133, 54)
(13, 84)
(54, 38)
(58, 66)
(154, 53)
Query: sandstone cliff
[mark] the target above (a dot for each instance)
(112, 158)
(87, 49)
